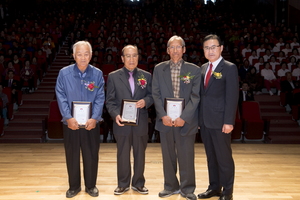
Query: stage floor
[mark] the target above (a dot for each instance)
(38, 171)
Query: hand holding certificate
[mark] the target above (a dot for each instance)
(81, 111)
(174, 107)
(129, 112)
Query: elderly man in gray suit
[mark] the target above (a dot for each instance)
(219, 99)
(177, 79)
(130, 83)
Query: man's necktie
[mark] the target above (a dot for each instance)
(131, 82)
(244, 96)
(10, 83)
(208, 75)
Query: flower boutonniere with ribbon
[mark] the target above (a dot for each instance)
(186, 78)
(90, 85)
(142, 81)
(217, 75)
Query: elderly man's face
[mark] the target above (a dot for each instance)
(130, 58)
(82, 56)
(176, 50)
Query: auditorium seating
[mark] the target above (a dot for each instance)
(254, 127)
(236, 134)
(54, 124)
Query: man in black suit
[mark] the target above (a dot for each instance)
(130, 83)
(176, 78)
(15, 86)
(287, 88)
(245, 94)
(219, 94)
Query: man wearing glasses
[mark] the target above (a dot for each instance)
(130, 83)
(180, 80)
(219, 99)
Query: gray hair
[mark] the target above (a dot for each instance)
(82, 43)
(176, 37)
(129, 45)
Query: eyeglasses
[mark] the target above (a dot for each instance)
(172, 48)
(213, 48)
(128, 56)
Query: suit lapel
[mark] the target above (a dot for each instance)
(124, 80)
(219, 68)
(183, 71)
(167, 78)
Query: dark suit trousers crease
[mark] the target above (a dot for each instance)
(88, 142)
(124, 144)
(219, 159)
(178, 148)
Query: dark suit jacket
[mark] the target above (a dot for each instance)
(15, 84)
(162, 88)
(220, 99)
(249, 96)
(286, 86)
(118, 88)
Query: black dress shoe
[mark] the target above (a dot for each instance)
(121, 190)
(190, 196)
(92, 192)
(72, 193)
(167, 193)
(209, 194)
(226, 197)
(141, 190)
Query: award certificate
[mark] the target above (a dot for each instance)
(174, 107)
(81, 112)
(129, 112)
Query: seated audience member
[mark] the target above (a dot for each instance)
(273, 62)
(270, 79)
(267, 55)
(281, 56)
(292, 63)
(27, 76)
(279, 44)
(10, 67)
(296, 71)
(255, 80)
(236, 57)
(4, 98)
(294, 43)
(287, 49)
(246, 49)
(15, 87)
(261, 50)
(246, 94)
(287, 86)
(253, 56)
(244, 69)
(259, 64)
(295, 54)
(283, 70)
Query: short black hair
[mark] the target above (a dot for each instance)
(212, 37)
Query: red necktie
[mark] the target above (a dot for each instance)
(208, 75)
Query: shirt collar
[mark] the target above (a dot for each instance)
(215, 63)
(80, 74)
(176, 65)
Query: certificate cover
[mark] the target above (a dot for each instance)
(129, 112)
(174, 107)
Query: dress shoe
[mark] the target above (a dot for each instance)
(166, 193)
(189, 196)
(209, 194)
(92, 192)
(72, 193)
(121, 190)
(226, 197)
(141, 190)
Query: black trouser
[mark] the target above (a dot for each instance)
(88, 142)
